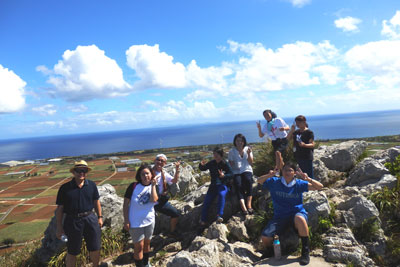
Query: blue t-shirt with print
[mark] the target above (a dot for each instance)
(287, 201)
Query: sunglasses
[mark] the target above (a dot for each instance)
(81, 170)
(161, 160)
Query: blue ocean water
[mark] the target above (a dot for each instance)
(352, 125)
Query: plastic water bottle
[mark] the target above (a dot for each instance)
(277, 247)
(64, 238)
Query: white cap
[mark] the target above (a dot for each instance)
(161, 155)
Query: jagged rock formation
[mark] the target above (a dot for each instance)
(236, 242)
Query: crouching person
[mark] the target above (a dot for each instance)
(287, 200)
(139, 215)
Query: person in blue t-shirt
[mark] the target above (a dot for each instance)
(287, 200)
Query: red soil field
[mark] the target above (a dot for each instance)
(2, 226)
(42, 200)
(7, 184)
(100, 162)
(21, 208)
(44, 213)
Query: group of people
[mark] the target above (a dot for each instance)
(79, 197)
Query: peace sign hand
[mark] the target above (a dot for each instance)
(221, 174)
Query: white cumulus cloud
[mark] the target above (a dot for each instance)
(78, 108)
(299, 3)
(12, 91)
(391, 28)
(45, 110)
(156, 69)
(348, 24)
(291, 66)
(377, 65)
(86, 73)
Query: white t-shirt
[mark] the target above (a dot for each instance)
(168, 179)
(240, 164)
(141, 209)
(275, 132)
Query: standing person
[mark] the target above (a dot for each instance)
(240, 158)
(276, 129)
(139, 215)
(163, 178)
(220, 173)
(77, 199)
(303, 145)
(287, 200)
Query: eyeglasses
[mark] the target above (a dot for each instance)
(161, 160)
(81, 170)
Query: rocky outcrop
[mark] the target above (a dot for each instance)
(341, 246)
(368, 171)
(186, 182)
(340, 157)
(317, 205)
(358, 209)
(111, 205)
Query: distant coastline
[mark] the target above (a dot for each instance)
(326, 127)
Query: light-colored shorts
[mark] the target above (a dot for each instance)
(138, 233)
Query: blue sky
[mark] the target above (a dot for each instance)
(86, 66)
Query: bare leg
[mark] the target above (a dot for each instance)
(173, 223)
(71, 260)
(279, 160)
(301, 225)
(95, 257)
(248, 200)
(138, 250)
(146, 247)
(242, 205)
(267, 241)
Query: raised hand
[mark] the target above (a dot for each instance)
(203, 162)
(249, 151)
(177, 164)
(258, 124)
(221, 174)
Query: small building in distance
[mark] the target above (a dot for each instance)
(55, 160)
(131, 161)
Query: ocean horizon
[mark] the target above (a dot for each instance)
(335, 126)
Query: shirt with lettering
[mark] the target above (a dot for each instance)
(287, 201)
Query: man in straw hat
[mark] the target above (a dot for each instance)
(77, 199)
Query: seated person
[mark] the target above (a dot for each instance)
(287, 200)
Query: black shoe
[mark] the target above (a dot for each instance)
(305, 257)
(250, 211)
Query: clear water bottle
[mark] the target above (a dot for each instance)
(64, 238)
(277, 247)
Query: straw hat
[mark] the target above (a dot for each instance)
(80, 164)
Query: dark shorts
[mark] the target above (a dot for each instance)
(87, 227)
(280, 144)
(168, 210)
(279, 225)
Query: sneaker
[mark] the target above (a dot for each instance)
(220, 219)
(245, 212)
(305, 257)
(250, 211)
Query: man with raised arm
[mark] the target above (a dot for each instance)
(163, 178)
